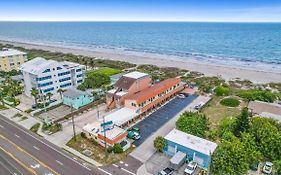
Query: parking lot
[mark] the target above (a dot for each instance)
(157, 119)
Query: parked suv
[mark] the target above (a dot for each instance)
(190, 169)
(166, 171)
(267, 168)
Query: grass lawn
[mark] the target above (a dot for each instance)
(98, 151)
(35, 127)
(2, 107)
(108, 71)
(216, 112)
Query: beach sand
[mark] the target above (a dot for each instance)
(224, 72)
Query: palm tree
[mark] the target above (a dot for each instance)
(49, 95)
(60, 91)
(35, 93)
(2, 96)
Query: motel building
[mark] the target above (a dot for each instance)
(142, 103)
(107, 134)
(196, 149)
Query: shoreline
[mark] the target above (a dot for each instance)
(225, 72)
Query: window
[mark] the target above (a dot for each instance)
(78, 70)
(44, 78)
(64, 79)
(79, 81)
(80, 75)
(65, 85)
(63, 73)
(48, 90)
(47, 70)
(12, 64)
(59, 68)
(45, 84)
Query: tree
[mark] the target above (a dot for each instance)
(267, 136)
(159, 143)
(230, 157)
(117, 148)
(35, 93)
(193, 123)
(2, 96)
(249, 142)
(243, 122)
(222, 91)
(49, 95)
(277, 166)
(261, 95)
(60, 91)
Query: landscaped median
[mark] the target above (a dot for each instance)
(93, 150)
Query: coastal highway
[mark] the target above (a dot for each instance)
(10, 166)
(22, 151)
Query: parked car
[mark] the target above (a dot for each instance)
(135, 129)
(181, 96)
(199, 106)
(166, 171)
(190, 169)
(133, 135)
(267, 168)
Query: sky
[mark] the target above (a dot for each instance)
(141, 10)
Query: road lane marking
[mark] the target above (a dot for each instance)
(54, 149)
(17, 136)
(36, 148)
(18, 161)
(19, 148)
(105, 171)
(59, 162)
(115, 165)
(8, 169)
(123, 169)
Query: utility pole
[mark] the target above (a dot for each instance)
(73, 124)
(104, 130)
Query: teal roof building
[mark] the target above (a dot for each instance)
(76, 98)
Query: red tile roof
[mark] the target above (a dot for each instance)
(154, 90)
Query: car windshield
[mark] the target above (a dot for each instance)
(190, 168)
(267, 167)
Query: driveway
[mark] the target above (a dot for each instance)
(157, 119)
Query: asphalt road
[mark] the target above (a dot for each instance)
(9, 166)
(32, 155)
(160, 117)
(38, 154)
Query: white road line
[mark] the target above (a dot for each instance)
(36, 148)
(126, 164)
(124, 169)
(104, 171)
(128, 171)
(121, 162)
(9, 122)
(17, 136)
(59, 162)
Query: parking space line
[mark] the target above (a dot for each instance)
(36, 148)
(105, 171)
(17, 136)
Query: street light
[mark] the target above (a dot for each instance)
(73, 123)
(104, 130)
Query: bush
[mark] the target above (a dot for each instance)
(222, 91)
(117, 148)
(261, 95)
(35, 127)
(159, 143)
(230, 102)
(110, 149)
(83, 135)
(193, 123)
(94, 80)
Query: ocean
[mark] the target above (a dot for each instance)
(253, 45)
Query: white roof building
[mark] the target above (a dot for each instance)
(135, 75)
(121, 116)
(10, 52)
(192, 142)
(50, 75)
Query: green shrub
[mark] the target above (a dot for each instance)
(261, 95)
(83, 135)
(117, 148)
(35, 127)
(159, 143)
(110, 149)
(222, 91)
(230, 102)
(193, 123)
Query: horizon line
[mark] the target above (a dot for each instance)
(159, 21)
